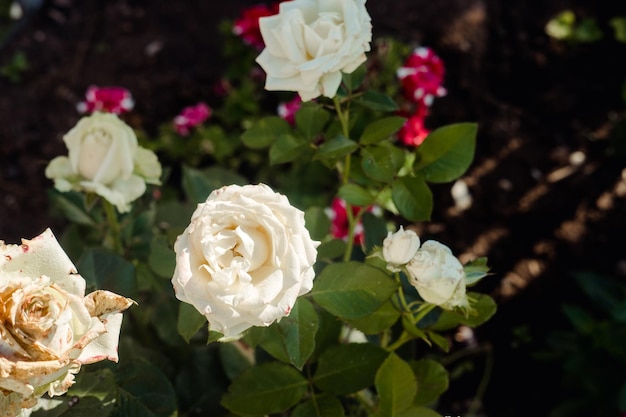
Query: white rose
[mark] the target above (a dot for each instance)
(104, 158)
(48, 327)
(438, 275)
(400, 247)
(244, 259)
(309, 43)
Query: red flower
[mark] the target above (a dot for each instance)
(288, 110)
(191, 117)
(339, 227)
(247, 25)
(422, 76)
(116, 100)
(414, 130)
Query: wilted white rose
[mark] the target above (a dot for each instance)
(244, 258)
(438, 275)
(48, 327)
(309, 43)
(400, 247)
(104, 158)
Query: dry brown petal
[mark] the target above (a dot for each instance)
(102, 302)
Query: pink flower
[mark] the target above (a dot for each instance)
(247, 25)
(191, 117)
(288, 110)
(339, 227)
(414, 130)
(115, 100)
(422, 76)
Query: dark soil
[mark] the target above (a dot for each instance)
(536, 215)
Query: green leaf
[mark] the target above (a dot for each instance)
(336, 148)
(317, 223)
(382, 162)
(320, 406)
(587, 31)
(583, 322)
(447, 152)
(483, 307)
(189, 321)
(561, 26)
(355, 195)
(162, 259)
(603, 291)
(376, 101)
(72, 206)
(352, 289)
(353, 80)
(264, 132)
(412, 198)
(333, 249)
(145, 391)
(233, 359)
(381, 129)
(475, 271)
(379, 321)
(198, 184)
(291, 340)
(619, 27)
(419, 412)
(374, 230)
(396, 386)
(267, 388)
(311, 119)
(432, 380)
(286, 148)
(105, 270)
(348, 368)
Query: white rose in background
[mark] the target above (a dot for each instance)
(438, 276)
(400, 247)
(309, 43)
(104, 158)
(244, 258)
(48, 327)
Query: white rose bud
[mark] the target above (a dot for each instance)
(309, 43)
(438, 276)
(400, 247)
(244, 259)
(104, 158)
(48, 327)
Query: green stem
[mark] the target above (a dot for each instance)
(113, 239)
(482, 386)
(404, 337)
(423, 310)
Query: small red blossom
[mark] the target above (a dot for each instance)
(191, 117)
(288, 110)
(338, 214)
(414, 131)
(247, 25)
(422, 76)
(115, 100)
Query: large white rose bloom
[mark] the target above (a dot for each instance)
(104, 158)
(309, 43)
(244, 258)
(48, 327)
(438, 276)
